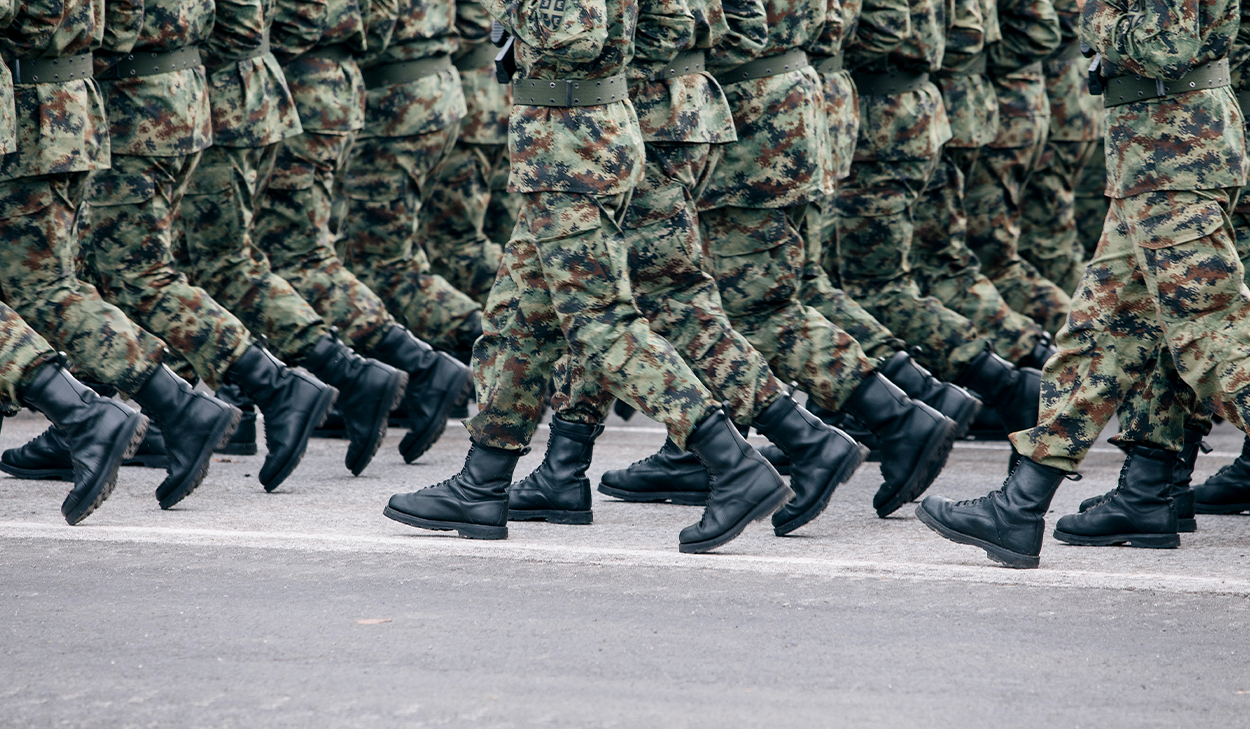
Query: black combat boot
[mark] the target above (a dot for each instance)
(1182, 475)
(474, 502)
(243, 442)
(193, 424)
(293, 403)
(436, 384)
(100, 433)
(368, 390)
(1228, 491)
(558, 490)
(47, 456)
(950, 400)
(1012, 393)
(670, 474)
(623, 410)
(1042, 351)
(915, 440)
(151, 452)
(821, 459)
(743, 486)
(1138, 512)
(1008, 524)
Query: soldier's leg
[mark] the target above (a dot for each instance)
(1048, 233)
(453, 218)
(1090, 201)
(218, 211)
(504, 207)
(992, 199)
(945, 268)
(383, 183)
(37, 217)
(875, 230)
(22, 353)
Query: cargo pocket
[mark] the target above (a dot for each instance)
(107, 188)
(22, 198)
(582, 267)
(1190, 261)
(757, 258)
(210, 180)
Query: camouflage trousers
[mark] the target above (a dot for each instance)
(818, 290)
(382, 185)
(876, 231)
(757, 256)
(467, 192)
(992, 199)
(945, 268)
(678, 297)
(217, 252)
(293, 229)
(1166, 274)
(22, 351)
(38, 262)
(127, 233)
(1090, 201)
(1048, 233)
(564, 283)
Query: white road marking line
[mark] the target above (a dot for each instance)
(422, 546)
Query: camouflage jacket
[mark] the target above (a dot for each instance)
(1075, 114)
(1030, 33)
(690, 108)
(251, 104)
(8, 113)
(163, 114)
(782, 155)
(923, 46)
(740, 39)
(971, 105)
(841, 100)
(595, 150)
(423, 29)
(74, 138)
(329, 93)
(487, 102)
(1190, 141)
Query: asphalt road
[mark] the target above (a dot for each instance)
(308, 608)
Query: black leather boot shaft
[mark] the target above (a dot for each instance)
(193, 425)
(436, 384)
(1228, 491)
(1138, 512)
(1008, 524)
(1183, 497)
(1013, 393)
(100, 433)
(743, 486)
(243, 441)
(670, 474)
(915, 440)
(368, 390)
(918, 383)
(293, 402)
(558, 490)
(821, 459)
(474, 502)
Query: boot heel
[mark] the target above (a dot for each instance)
(468, 531)
(552, 516)
(1155, 541)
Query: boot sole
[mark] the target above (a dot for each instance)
(324, 405)
(930, 465)
(147, 461)
(237, 449)
(552, 516)
(842, 476)
(681, 498)
(1141, 541)
(452, 397)
(772, 503)
(1001, 555)
(468, 531)
(1222, 509)
(381, 422)
(122, 450)
(38, 474)
(221, 434)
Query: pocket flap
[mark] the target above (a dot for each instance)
(558, 215)
(110, 188)
(1181, 225)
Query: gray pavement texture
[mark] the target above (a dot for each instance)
(308, 608)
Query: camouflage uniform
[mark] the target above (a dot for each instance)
(564, 279)
(252, 113)
(292, 227)
(41, 186)
(942, 264)
(1048, 233)
(1166, 271)
(413, 108)
(1030, 31)
(1090, 201)
(468, 191)
(682, 115)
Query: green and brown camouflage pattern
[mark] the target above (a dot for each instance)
(1090, 201)
(22, 352)
(329, 94)
(1048, 232)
